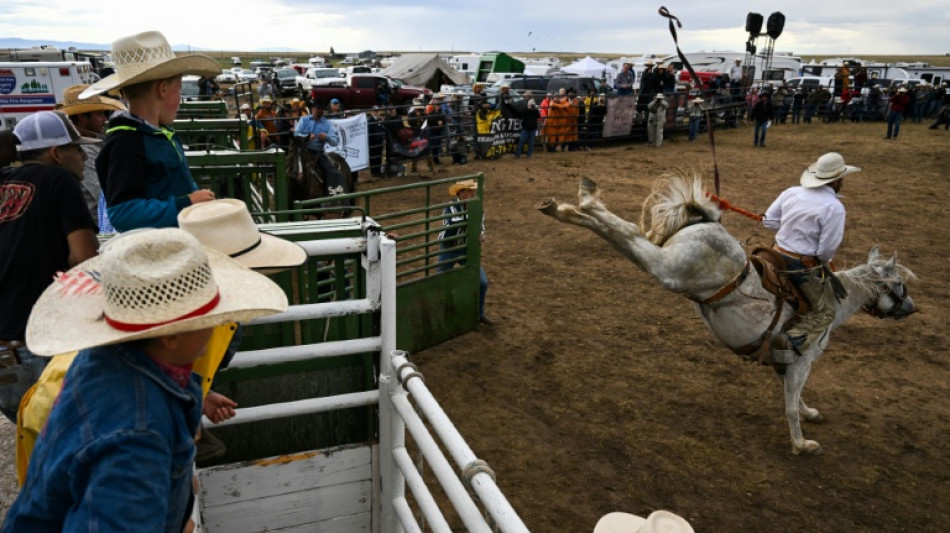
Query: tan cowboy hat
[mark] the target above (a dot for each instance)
(829, 168)
(657, 522)
(73, 105)
(659, 96)
(458, 186)
(145, 57)
(698, 99)
(146, 284)
(226, 226)
(266, 99)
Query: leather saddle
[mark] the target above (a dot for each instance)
(773, 269)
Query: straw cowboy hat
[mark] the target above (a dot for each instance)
(828, 169)
(145, 57)
(226, 226)
(657, 522)
(73, 105)
(698, 100)
(659, 96)
(146, 284)
(459, 186)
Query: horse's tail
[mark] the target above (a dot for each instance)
(678, 199)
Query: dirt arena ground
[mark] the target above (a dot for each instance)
(598, 391)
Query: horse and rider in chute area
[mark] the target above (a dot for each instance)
(777, 306)
(312, 170)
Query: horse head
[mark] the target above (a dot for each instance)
(889, 297)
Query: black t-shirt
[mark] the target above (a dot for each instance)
(39, 206)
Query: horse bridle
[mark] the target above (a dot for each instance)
(895, 310)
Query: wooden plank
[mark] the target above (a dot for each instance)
(319, 509)
(275, 476)
(348, 524)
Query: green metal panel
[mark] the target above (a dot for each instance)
(212, 133)
(432, 307)
(202, 109)
(259, 178)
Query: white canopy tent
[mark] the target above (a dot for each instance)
(592, 68)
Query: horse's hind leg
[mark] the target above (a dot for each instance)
(794, 382)
(811, 414)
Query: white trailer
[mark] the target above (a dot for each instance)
(28, 87)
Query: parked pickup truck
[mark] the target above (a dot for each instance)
(317, 76)
(362, 91)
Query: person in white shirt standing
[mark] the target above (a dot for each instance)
(809, 220)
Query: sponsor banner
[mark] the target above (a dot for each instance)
(621, 111)
(497, 132)
(354, 141)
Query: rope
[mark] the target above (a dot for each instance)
(468, 472)
(664, 12)
(414, 374)
(725, 204)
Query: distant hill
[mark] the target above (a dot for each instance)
(16, 42)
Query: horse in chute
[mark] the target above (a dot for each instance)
(309, 179)
(681, 243)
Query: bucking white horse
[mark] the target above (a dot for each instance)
(681, 243)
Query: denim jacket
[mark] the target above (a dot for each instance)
(117, 451)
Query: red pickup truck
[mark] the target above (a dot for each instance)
(361, 91)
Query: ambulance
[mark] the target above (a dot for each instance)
(28, 87)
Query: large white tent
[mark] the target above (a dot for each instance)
(424, 70)
(592, 68)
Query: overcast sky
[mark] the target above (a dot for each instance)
(605, 27)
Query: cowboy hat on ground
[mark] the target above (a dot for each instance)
(146, 284)
(73, 105)
(226, 226)
(657, 522)
(146, 57)
(828, 169)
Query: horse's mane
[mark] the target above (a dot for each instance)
(678, 199)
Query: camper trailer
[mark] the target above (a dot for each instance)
(28, 87)
(783, 66)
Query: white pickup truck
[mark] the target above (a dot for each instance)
(316, 77)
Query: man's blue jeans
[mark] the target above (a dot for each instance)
(893, 123)
(16, 380)
(527, 137)
(760, 127)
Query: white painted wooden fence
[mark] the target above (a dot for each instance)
(361, 487)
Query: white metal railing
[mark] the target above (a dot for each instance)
(398, 382)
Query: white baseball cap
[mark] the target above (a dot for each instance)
(46, 129)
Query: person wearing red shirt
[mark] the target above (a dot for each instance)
(895, 111)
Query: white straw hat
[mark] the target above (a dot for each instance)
(829, 168)
(146, 284)
(145, 57)
(657, 522)
(226, 226)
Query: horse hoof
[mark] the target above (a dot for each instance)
(810, 447)
(588, 184)
(548, 207)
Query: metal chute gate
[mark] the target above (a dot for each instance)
(358, 486)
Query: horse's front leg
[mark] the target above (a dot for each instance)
(567, 213)
(794, 382)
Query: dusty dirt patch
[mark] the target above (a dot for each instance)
(598, 391)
